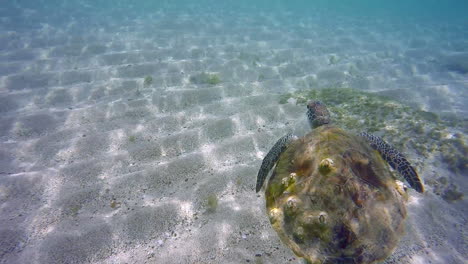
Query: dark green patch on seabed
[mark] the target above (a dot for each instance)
(403, 126)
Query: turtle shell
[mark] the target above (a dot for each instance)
(333, 199)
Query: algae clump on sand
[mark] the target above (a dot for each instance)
(205, 78)
(147, 81)
(212, 203)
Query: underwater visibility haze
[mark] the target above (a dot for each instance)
(134, 131)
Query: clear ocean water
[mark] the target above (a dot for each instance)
(133, 131)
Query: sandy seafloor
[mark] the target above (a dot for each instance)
(97, 168)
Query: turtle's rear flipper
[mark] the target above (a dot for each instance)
(395, 159)
(271, 158)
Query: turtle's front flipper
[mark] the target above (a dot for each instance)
(271, 158)
(396, 160)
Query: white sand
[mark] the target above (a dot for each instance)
(96, 168)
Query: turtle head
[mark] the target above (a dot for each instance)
(317, 114)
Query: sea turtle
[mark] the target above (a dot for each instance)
(331, 197)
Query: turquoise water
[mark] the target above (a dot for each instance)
(133, 131)
(434, 11)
